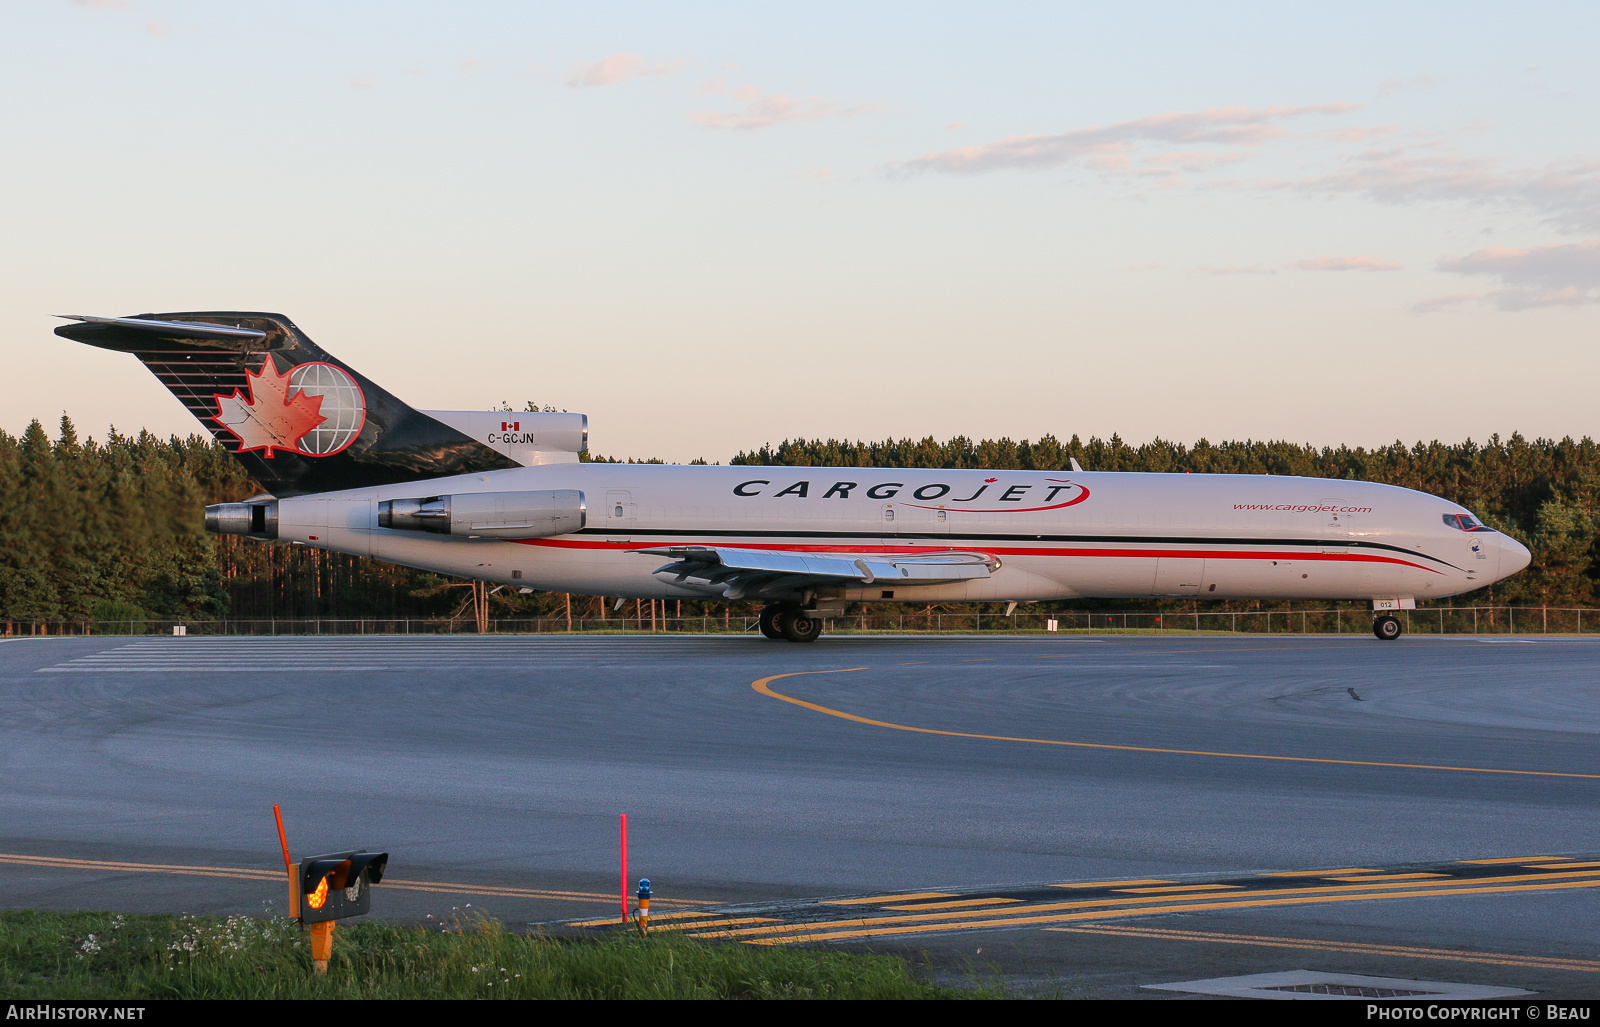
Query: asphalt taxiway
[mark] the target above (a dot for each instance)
(139, 774)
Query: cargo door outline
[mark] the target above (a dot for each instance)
(1338, 529)
(620, 516)
(1178, 575)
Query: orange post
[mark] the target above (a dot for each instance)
(288, 867)
(321, 945)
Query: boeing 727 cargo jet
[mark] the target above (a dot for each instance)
(503, 497)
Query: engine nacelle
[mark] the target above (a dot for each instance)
(531, 439)
(488, 514)
(257, 520)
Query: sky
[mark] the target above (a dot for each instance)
(713, 226)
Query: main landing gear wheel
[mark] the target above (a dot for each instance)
(769, 622)
(797, 627)
(1388, 628)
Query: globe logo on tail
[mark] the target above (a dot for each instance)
(344, 409)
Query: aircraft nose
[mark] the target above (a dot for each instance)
(1514, 556)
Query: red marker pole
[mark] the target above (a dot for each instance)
(288, 867)
(624, 868)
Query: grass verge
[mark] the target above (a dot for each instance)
(115, 956)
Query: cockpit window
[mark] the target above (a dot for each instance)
(1464, 522)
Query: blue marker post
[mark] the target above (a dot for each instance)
(644, 905)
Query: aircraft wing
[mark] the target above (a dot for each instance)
(770, 573)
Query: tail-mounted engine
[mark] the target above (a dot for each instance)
(488, 514)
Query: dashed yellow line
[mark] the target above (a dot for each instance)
(1383, 877)
(763, 685)
(1057, 912)
(868, 931)
(870, 899)
(954, 904)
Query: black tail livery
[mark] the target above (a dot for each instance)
(297, 418)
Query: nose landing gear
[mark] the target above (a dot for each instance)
(790, 622)
(1388, 628)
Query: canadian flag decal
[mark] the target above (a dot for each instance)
(510, 425)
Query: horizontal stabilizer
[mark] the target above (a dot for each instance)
(770, 573)
(188, 329)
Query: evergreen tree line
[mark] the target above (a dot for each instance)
(114, 530)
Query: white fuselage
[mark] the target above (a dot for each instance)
(1056, 535)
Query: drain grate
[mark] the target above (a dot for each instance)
(1316, 985)
(1346, 990)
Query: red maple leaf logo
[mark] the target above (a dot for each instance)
(270, 418)
(991, 480)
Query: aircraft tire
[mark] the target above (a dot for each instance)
(797, 627)
(770, 622)
(1388, 628)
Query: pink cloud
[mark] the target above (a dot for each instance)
(619, 67)
(766, 111)
(1554, 275)
(1228, 126)
(1346, 264)
(1566, 193)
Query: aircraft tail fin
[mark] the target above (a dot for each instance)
(297, 418)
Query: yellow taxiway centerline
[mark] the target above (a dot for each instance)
(763, 685)
(250, 874)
